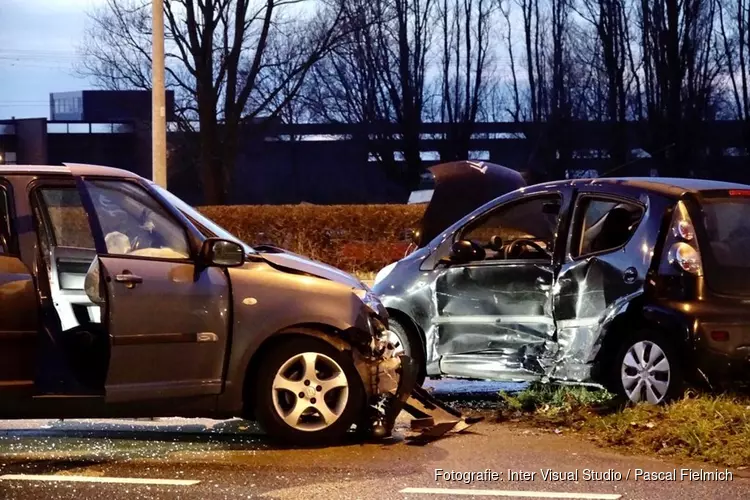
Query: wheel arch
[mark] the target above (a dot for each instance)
(406, 320)
(328, 333)
(674, 325)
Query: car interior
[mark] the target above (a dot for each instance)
(73, 327)
(607, 225)
(522, 231)
(133, 224)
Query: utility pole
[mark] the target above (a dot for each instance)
(158, 106)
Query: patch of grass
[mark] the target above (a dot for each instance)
(549, 398)
(711, 428)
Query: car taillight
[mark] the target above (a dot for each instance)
(684, 230)
(720, 335)
(685, 257)
(684, 252)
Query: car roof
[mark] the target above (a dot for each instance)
(66, 169)
(669, 186)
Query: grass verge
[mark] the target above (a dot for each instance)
(710, 428)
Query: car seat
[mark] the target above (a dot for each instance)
(615, 229)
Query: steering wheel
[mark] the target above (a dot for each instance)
(141, 241)
(527, 242)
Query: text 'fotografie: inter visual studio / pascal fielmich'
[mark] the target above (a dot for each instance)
(636, 474)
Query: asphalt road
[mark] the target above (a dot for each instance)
(206, 459)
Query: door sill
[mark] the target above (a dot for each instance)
(68, 396)
(486, 367)
(162, 390)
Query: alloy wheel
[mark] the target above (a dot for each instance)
(310, 391)
(395, 338)
(645, 373)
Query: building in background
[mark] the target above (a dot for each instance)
(108, 127)
(105, 106)
(327, 163)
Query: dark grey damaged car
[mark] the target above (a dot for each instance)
(639, 284)
(117, 299)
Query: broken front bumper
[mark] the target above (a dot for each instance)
(393, 384)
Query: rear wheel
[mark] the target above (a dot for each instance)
(307, 393)
(409, 343)
(647, 369)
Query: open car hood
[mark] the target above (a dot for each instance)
(292, 261)
(461, 187)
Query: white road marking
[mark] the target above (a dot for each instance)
(511, 494)
(94, 479)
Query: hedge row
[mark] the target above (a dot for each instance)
(360, 238)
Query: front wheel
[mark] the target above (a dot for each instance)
(647, 369)
(307, 393)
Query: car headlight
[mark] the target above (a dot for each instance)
(383, 273)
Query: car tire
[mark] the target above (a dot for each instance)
(647, 369)
(300, 417)
(411, 343)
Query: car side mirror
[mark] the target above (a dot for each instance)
(219, 252)
(464, 251)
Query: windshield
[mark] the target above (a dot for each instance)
(727, 224)
(205, 225)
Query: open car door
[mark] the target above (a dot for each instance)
(166, 316)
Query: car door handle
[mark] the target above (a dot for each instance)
(128, 279)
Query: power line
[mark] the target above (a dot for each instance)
(38, 51)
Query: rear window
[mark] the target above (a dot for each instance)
(726, 253)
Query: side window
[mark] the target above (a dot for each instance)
(134, 223)
(524, 230)
(604, 225)
(66, 222)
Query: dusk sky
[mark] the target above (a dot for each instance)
(38, 43)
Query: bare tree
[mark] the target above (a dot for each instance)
(680, 74)
(378, 76)
(734, 22)
(610, 21)
(504, 6)
(220, 55)
(465, 66)
(403, 46)
(550, 76)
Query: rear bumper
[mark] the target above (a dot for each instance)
(719, 346)
(722, 348)
(712, 336)
(721, 369)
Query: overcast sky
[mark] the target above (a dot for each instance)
(38, 41)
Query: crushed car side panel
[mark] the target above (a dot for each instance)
(493, 321)
(593, 291)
